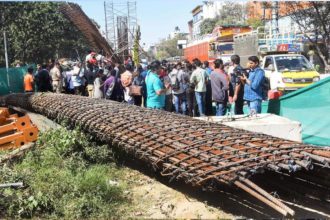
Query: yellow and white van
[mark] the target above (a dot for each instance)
(289, 71)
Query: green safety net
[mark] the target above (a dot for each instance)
(309, 106)
(15, 82)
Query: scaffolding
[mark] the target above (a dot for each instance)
(120, 25)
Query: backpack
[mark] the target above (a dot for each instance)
(265, 87)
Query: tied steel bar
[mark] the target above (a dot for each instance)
(199, 152)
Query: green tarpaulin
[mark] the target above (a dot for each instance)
(309, 106)
(16, 76)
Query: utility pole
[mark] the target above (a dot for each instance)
(5, 43)
(275, 28)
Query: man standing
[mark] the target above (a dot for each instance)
(43, 79)
(178, 86)
(155, 88)
(237, 91)
(90, 77)
(28, 80)
(56, 75)
(206, 66)
(253, 85)
(208, 94)
(77, 79)
(199, 79)
(220, 86)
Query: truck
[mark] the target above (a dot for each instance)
(216, 45)
(286, 68)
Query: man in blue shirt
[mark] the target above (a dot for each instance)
(253, 85)
(155, 88)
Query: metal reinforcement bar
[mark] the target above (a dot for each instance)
(76, 15)
(201, 153)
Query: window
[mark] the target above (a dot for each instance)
(197, 17)
(293, 63)
(269, 64)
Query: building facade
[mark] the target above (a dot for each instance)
(209, 10)
(276, 14)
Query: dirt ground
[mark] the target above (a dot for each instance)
(152, 199)
(149, 197)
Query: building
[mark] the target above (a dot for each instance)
(276, 15)
(210, 9)
(174, 33)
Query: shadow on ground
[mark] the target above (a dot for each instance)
(315, 199)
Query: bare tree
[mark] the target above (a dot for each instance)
(312, 18)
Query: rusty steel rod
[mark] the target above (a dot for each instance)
(261, 198)
(267, 195)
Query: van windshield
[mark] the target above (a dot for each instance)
(292, 63)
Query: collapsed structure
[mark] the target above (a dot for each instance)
(75, 14)
(199, 152)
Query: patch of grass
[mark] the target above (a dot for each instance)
(65, 176)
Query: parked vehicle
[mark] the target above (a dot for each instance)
(289, 71)
(285, 68)
(215, 45)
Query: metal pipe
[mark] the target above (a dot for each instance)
(5, 185)
(6, 58)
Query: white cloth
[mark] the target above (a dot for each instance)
(88, 57)
(97, 91)
(129, 99)
(231, 69)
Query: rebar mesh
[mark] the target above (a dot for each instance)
(178, 146)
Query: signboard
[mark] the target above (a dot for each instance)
(227, 31)
(289, 47)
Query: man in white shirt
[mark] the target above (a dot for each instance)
(199, 79)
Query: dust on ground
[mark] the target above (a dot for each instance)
(152, 199)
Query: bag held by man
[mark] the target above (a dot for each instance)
(135, 90)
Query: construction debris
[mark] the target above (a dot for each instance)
(16, 153)
(75, 14)
(199, 152)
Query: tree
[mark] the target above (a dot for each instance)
(255, 22)
(312, 19)
(207, 26)
(37, 32)
(230, 14)
(168, 48)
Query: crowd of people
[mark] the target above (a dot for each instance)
(190, 88)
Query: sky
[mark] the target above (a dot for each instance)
(157, 18)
